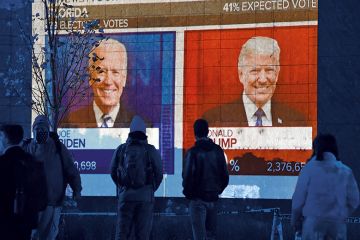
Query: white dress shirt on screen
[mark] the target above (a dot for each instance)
(251, 108)
(99, 114)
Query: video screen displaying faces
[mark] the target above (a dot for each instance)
(251, 72)
(257, 89)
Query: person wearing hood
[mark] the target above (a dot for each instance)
(59, 170)
(136, 170)
(326, 193)
(205, 176)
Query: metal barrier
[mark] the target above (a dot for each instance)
(276, 229)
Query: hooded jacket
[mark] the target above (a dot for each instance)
(145, 193)
(57, 175)
(59, 170)
(325, 189)
(205, 174)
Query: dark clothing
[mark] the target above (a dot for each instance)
(203, 219)
(137, 216)
(85, 118)
(145, 193)
(13, 168)
(136, 205)
(233, 115)
(22, 230)
(59, 171)
(205, 174)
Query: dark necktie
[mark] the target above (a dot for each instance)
(105, 119)
(259, 114)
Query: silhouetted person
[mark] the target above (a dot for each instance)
(326, 194)
(205, 176)
(59, 171)
(19, 186)
(136, 169)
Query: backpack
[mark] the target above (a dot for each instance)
(136, 167)
(31, 189)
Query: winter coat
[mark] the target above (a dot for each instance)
(59, 171)
(14, 174)
(205, 174)
(146, 192)
(325, 189)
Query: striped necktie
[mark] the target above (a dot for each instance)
(259, 114)
(105, 119)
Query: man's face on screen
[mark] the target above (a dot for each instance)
(259, 74)
(108, 76)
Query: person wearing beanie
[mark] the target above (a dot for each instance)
(205, 176)
(59, 170)
(136, 170)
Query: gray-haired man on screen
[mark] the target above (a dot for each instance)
(108, 75)
(258, 72)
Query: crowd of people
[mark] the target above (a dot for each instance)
(35, 173)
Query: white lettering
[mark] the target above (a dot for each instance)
(116, 23)
(286, 4)
(268, 5)
(303, 3)
(64, 133)
(314, 3)
(73, 12)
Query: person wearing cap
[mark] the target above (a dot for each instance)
(135, 204)
(205, 176)
(59, 171)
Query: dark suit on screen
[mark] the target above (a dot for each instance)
(233, 115)
(85, 118)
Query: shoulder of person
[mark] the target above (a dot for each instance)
(120, 148)
(192, 150)
(281, 109)
(217, 146)
(27, 155)
(151, 149)
(343, 166)
(29, 145)
(27, 142)
(310, 168)
(79, 113)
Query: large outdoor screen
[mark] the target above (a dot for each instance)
(248, 67)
